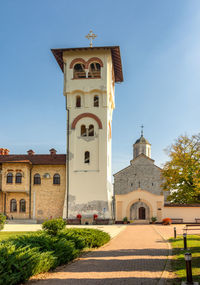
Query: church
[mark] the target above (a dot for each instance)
(138, 193)
(137, 188)
(42, 186)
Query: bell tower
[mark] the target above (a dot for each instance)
(90, 74)
(141, 146)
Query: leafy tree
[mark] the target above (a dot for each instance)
(182, 172)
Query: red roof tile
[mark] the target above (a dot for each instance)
(44, 159)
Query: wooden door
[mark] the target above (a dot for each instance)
(142, 215)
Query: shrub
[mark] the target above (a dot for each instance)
(90, 237)
(166, 221)
(2, 221)
(54, 226)
(153, 219)
(125, 219)
(18, 264)
(27, 255)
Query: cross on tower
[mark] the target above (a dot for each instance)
(142, 127)
(91, 36)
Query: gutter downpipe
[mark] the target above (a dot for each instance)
(67, 214)
(30, 188)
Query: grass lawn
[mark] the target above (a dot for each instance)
(178, 262)
(5, 235)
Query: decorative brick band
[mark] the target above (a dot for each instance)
(94, 59)
(89, 115)
(86, 63)
(77, 60)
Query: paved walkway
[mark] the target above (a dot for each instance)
(137, 255)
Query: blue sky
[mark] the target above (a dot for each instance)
(160, 49)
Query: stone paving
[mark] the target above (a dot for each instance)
(137, 256)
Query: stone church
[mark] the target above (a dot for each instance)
(137, 188)
(138, 191)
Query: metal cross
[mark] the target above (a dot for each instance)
(91, 36)
(142, 127)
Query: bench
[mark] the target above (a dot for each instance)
(191, 227)
(177, 220)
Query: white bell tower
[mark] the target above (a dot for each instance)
(89, 82)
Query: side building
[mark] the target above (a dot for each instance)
(32, 186)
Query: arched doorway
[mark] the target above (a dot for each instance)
(142, 213)
(139, 211)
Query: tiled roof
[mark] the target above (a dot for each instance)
(115, 52)
(57, 159)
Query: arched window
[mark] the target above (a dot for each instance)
(13, 205)
(96, 101)
(94, 70)
(56, 179)
(22, 206)
(83, 131)
(87, 157)
(78, 101)
(79, 71)
(91, 131)
(37, 179)
(9, 178)
(18, 178)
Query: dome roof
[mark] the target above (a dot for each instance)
(142, 140)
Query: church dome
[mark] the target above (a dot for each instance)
(142, 140)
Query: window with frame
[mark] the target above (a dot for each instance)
(56, 179)
(9, 178)
(83, 131)
(37, 179)
(87, 157)
(79, 71)
(78, 101)
(18, 178)
(94, 70)
(13, 205)
(96, 101)
(91, 131)
(22, 206)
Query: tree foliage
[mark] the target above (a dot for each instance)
(182, 172)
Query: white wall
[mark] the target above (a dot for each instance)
(188, 214)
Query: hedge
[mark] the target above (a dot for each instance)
(26, 255)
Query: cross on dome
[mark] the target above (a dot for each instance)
(142, 127)
(91, 36)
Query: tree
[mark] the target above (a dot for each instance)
(182, 172)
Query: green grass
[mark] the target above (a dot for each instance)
(178, 262)
(6, 235)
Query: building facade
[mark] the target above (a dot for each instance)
(32, 186)
(139, 195)
(89, 84)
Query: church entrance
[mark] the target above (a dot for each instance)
(142, 214)
(139, 211)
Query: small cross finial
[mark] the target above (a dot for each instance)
(142, 127)
(91, 36)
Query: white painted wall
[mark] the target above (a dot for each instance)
(188, 214)
(90, 183)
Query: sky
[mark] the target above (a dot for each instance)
(160, 49)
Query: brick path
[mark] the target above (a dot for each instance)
(136, 256)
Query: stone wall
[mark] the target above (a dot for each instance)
(142, 173)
